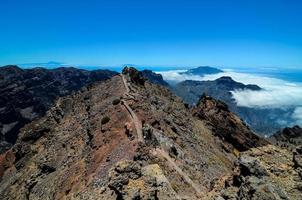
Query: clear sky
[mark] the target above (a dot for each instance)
(258, 33)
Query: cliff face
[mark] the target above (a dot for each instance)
(26, 94)
(126, 138)
(154, 78)
(226, 125)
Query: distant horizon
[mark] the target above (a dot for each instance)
(56, 64)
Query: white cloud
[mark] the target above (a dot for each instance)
(297, 116)
(276, 93)
(174, 76)
(277, 96)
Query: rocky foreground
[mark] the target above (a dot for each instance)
(126, 138)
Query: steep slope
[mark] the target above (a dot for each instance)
(27, 94)
(124, 138)
(264, 121)
(154, 78)
(227, 125)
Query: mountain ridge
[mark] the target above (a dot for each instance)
(101, 125)
(128, 138)
(28, 93)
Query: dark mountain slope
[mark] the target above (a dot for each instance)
(124, 138)
(27, 94)
(220, 88)
(154, 78)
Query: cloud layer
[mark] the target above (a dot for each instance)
(276, 93)
(297, 115)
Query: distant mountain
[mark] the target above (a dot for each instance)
(48, 65)
(220, 88)
(201, 71)
(262, 121)
(27, 94)
(289, 137)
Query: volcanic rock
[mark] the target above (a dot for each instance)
(27, 94)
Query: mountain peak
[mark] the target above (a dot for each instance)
(203, 70)
(134, 75)
(10, 69)
(227, 125)
(225, 78)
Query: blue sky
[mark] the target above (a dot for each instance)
(233, 33)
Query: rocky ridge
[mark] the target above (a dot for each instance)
(26, 94)
(126, 138)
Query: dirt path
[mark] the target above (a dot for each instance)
(125, 84)
(160, 152)
(198, 189)
(135, 120)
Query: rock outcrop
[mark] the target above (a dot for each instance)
(288, 137)
(265, 173)
(154, 78)
(226, 125)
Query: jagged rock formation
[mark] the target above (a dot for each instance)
(227, 125)
(265, 173)
(154, 78)
(288, 137)
(125, 138)
(27, 94)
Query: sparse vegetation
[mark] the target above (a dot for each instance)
(105, 120)
(175, 187)
(236, 152)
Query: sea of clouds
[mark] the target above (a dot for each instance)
(276, 93)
